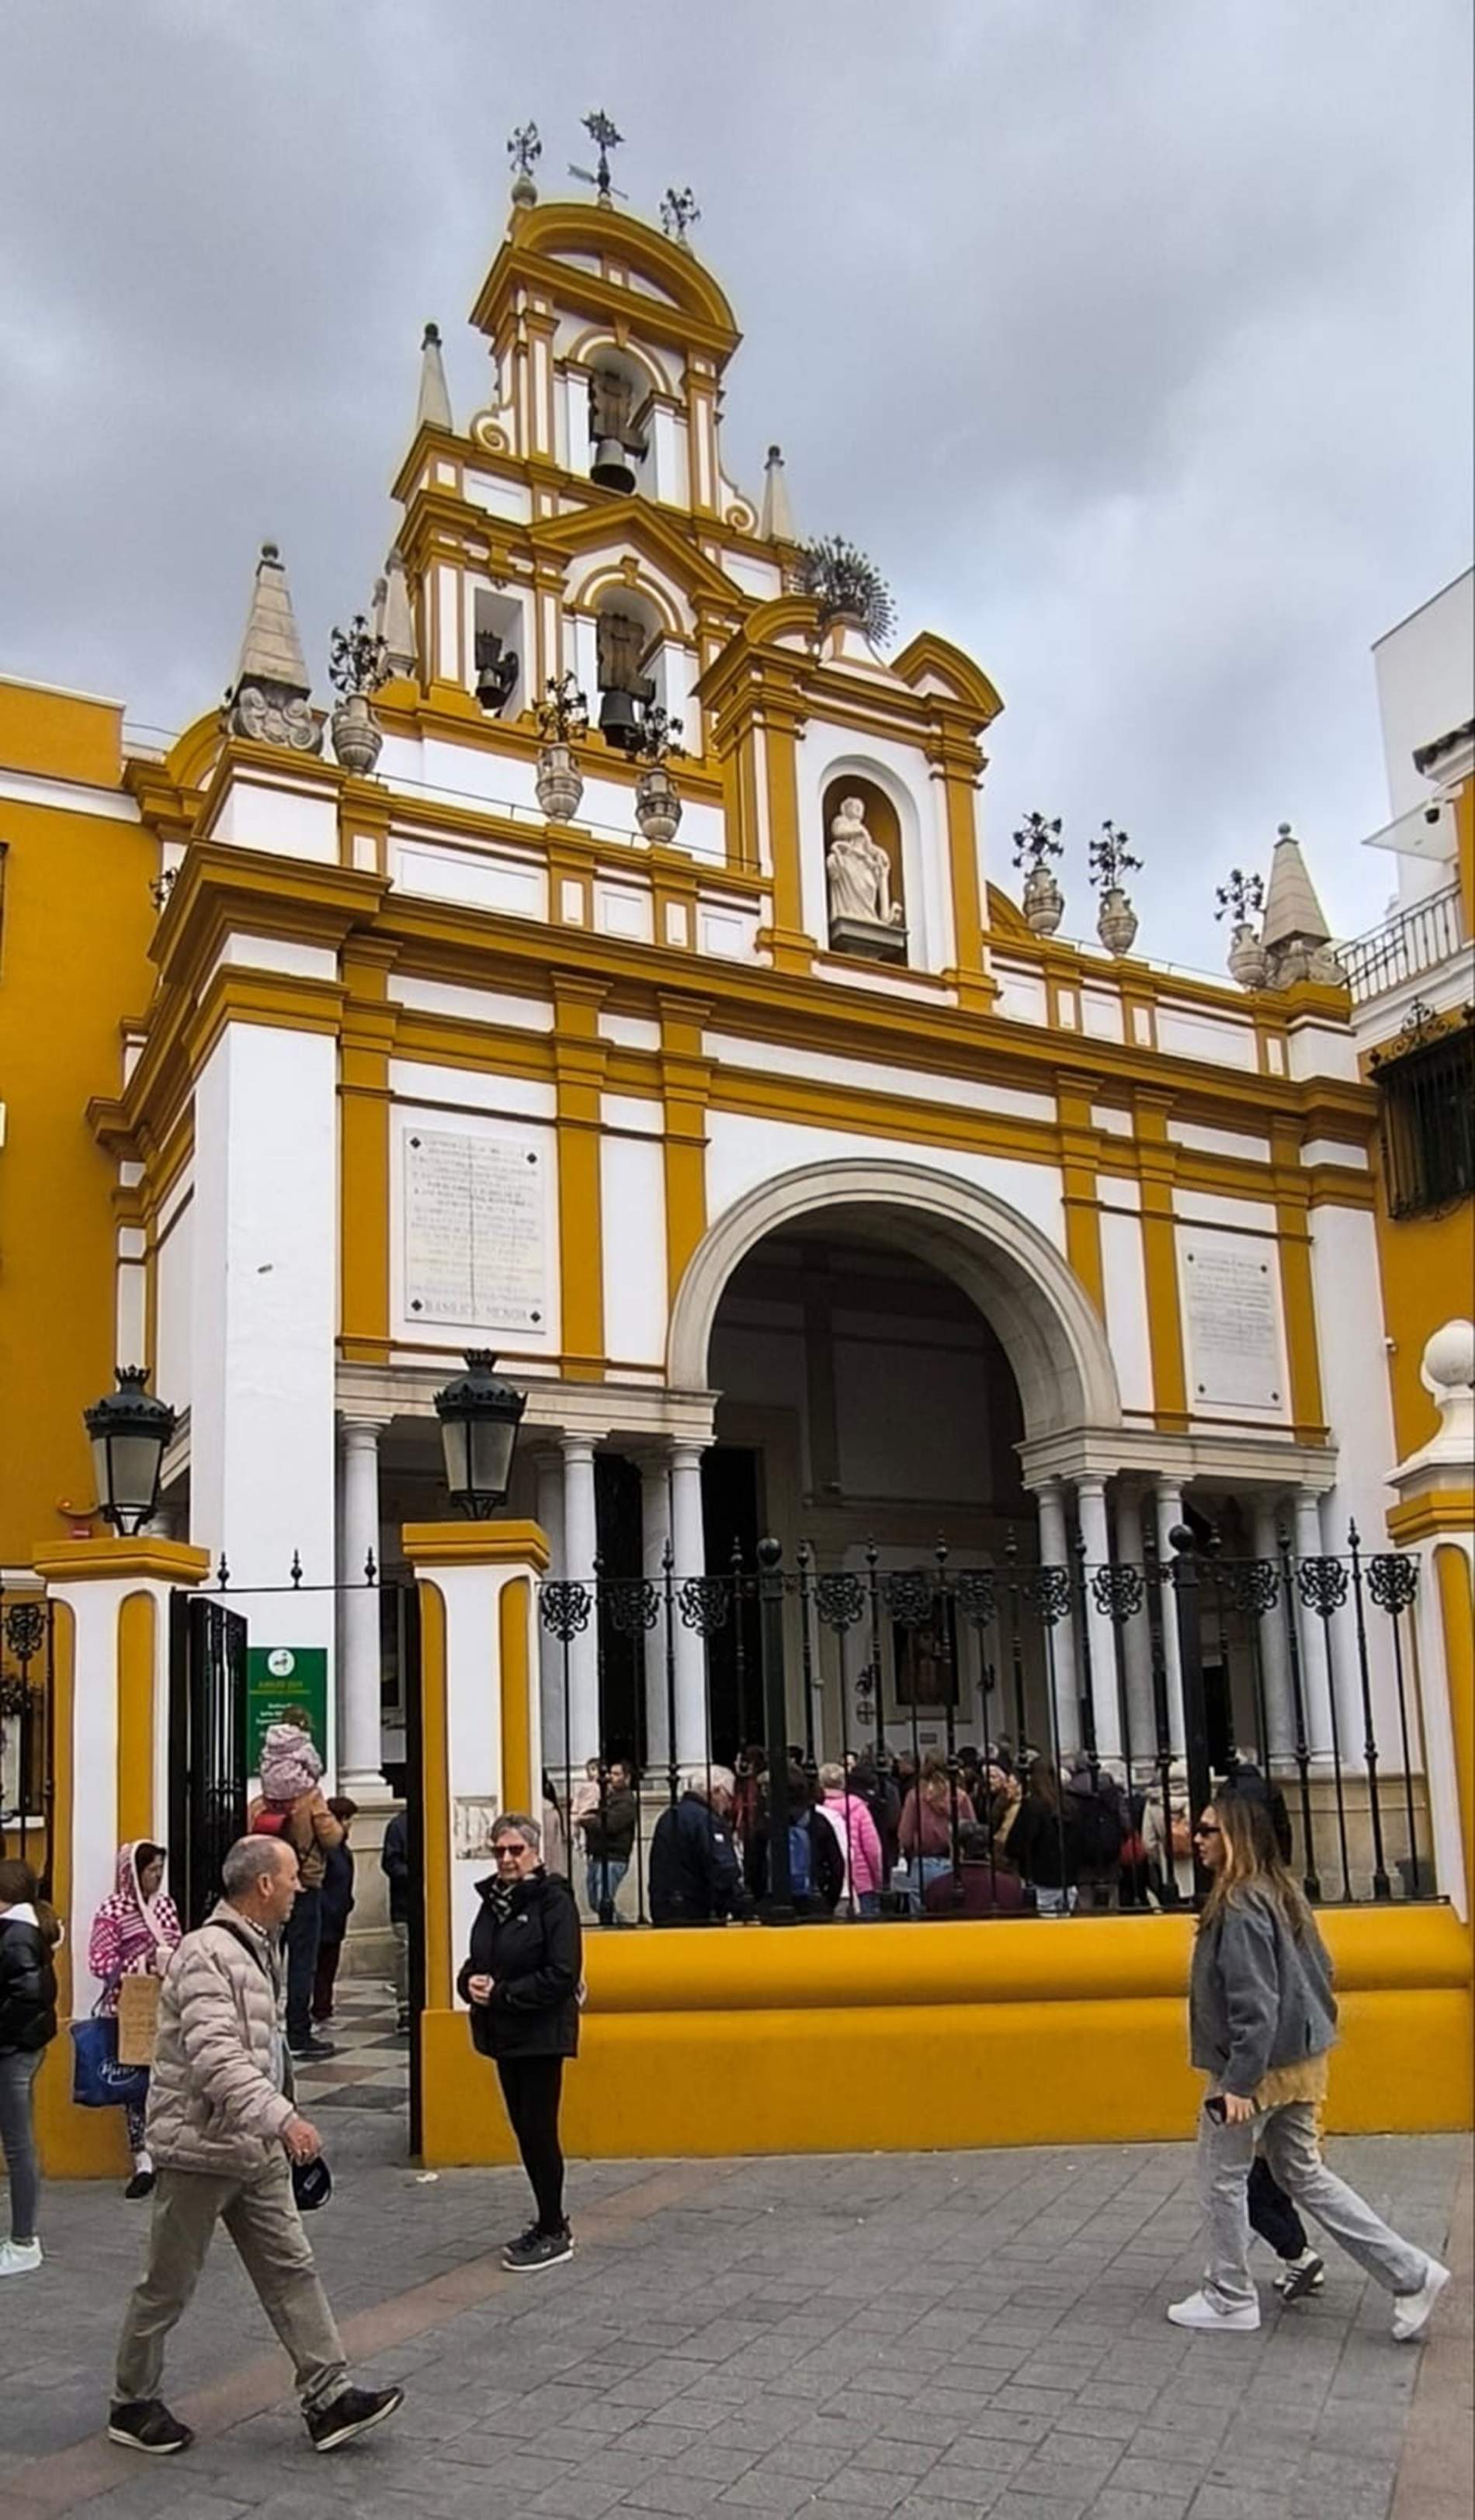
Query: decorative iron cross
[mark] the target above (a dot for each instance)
(605, 137)
(679, 212)
(524, 148)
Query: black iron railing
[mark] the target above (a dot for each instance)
(1020, 1737)
(27, 1787)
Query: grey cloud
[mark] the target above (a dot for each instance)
(1132, 341)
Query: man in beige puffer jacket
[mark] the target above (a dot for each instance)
(224, 2130)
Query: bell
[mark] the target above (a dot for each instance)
(619, 720)
(612, 467)
(496, 673)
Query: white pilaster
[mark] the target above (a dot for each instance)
(360, 1743)
(688, 1542)
(573, 1742)
(1054, 1551)
(1275, 1664)
(1106, 1704)
(1169, 1504)
(1316, 1670)
(655, 1537)
(1137, 1638)
(549, 1468)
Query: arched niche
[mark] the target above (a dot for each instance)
(882, 821)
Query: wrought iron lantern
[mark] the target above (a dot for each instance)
(130, 1433)
(480, 1416)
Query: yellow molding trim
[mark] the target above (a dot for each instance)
(97, 1561)
(476, 1544)
(137, 1628)
(1442, 1514)
(435, 1737)
(521, 1789)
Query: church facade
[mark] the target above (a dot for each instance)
(624, 976)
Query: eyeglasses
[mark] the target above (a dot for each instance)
(1208, 1828)
(510, 1853)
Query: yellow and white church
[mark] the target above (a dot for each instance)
(623, 976)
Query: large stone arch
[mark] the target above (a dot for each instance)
(1040, 1313)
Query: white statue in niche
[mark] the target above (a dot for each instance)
(859, 871)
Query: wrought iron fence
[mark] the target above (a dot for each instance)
(27, 1729)
(1018, 1737)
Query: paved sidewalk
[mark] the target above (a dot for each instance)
(938, 2336)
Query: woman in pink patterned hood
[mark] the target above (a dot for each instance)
(134, 1931)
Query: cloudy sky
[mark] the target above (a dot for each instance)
(1129, 337)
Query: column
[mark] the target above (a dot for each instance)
(1169, 1506)
(360, 1743)
(1137, 1638)
(688, 1542)
(1316, 1670)
(548, 1467)
(575, 1738)
(655, 1534)
(1279, 1743)
(1106, 1704)
(1054, 1552)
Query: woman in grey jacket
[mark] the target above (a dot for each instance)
(1261, 2021)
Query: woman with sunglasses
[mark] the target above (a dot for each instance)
(1261, 2022)
(521, 1981)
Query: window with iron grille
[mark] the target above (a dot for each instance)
(1428, 1097)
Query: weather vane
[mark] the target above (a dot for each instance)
(605, 137)
(679, 212)
(525, 149)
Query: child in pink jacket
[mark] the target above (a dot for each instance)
(860, 1843)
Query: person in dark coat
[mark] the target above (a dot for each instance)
(609, 1836)
(395, 1865)
(987, 1882)
(29, 1935)
(1044, 1844)
(695, 1877)
(817, 1866)
(523, 1980)
(336, 1907)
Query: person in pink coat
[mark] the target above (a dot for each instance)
(860, 1843)
(134, 1933)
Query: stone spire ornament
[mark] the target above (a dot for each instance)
(433, 411)
(268, 701)
(776, 522)
(395, 621)
(678, 212)
(1296, 937)
(1109, 857)
(524, 148)
(1241, 901)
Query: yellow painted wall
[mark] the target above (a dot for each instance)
(855, 2039)
(73, 933)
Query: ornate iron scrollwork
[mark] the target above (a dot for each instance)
(1321, 1583)
(705, 1603)
(25, 1629)
(1049, 1590)
(1253, 1585)
(633, 1604)
(976, 1595)
(1118, 1593)
(566, 1609)
(1393, 1580)
(908, 1598)
(839, 1601)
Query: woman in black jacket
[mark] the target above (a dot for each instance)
(523, 1981)
(29, 1933)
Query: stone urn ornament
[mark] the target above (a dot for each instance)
(1241, 901)
(657, 806)
(562, 717)
(357, 664)
(1036, 842)
(1111, 858)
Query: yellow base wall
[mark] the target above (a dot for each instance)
(875, 2039)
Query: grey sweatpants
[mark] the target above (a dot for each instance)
(17, 2074)
(1287, 2138)
(261, 2217)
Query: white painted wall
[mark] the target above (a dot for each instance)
(1124, 1279)
(263, 1318)
(632, 1187)
(174, 1363)
(1425, 671)
(1358, 1404)
(743, 1150)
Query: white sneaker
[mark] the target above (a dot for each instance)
(1198, 2311)
(1411, 2310)
(22, 2257)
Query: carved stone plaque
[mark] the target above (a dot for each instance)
(1233, 1323)
(476, 1241)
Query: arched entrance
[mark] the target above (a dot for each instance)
(881, 1338)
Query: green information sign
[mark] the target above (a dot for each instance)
(278, 1677)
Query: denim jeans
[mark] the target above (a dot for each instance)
(605, 1874)
(868, 1903)
(1287, 2138)
(922, 1869)
(304, 1933)
(17, 2074)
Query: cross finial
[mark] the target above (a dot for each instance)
(679, 212)
(602, 132)
(524, 148)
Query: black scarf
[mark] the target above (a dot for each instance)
(502, 1896)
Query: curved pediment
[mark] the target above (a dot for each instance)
(613, 264)
(930, 664)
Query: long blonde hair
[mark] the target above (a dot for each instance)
(1251, 1860)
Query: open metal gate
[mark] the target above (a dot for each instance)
(208, 1768)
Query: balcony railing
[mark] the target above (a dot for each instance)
(1416, 940)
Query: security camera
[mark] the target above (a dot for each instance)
(1432, 812)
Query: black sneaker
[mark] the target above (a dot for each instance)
(537, 2249)
(148, 2425)
(354, 2412)
(1299, 2277)
(314, 2051)
(142, 2183)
